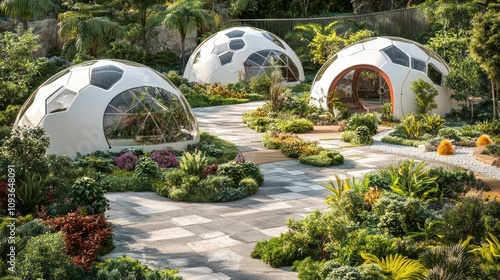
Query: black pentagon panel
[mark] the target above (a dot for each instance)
(236, 44)
(220, 49)
(235, 34)
(226, 57)
(434, 74)
(106, 76)
(397, 56)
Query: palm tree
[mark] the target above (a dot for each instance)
(26, 10)
(184, 16)
(142, 6)
(84, 32)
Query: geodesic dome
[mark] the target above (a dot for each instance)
(377, 70)
(110, 105)
(247, 51)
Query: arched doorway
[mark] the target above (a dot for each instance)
(361, 88)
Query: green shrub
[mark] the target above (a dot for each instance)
(44, 257)
(370, 272)
(128, 268)
(308, 269)
(105, 163)
(347, 136)
(259, 124)
(386, 112)
(424, 96)
(89, 196)
(26, 231)
(260, 84)
(127, 51)
(249, 184)
(252, 170)
(233, 171)
(274, 139)
(490, 127)
(121, 180)
(493, 149)
(278, 251)
(344, 273)
(469, 131)
(217, 149)
(327, 267)
(8, 116)
(369, 120)
(293, 147)
(30, 194)
(454, 182)
(193, 163)
(146, 170)
(362, 136)
(297, 126)
(413, 127)
(163, 61)
(323, 159)
(432, 123)
(401, 141)
(449, 133)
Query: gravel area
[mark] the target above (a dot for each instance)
(463, 156)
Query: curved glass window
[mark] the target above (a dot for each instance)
(236, 44)
(397, 56)
(235, 34)
(263, 62)
(148, 116)
(418, 64)
(60, 100)
(434, 74)
(106, 76)
(273, 38)
(226, 57)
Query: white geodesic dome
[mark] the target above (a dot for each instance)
(247, 51)
(110, 105)
(396, 61)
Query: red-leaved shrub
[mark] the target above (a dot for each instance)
(84, 236)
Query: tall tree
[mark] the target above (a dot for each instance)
(184, 16)
(485, 49)
(143, 7)
(26, 10)
(82, 31)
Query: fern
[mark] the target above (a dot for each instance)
(193, 163)
(397, 267)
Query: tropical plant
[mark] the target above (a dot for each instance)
(397, 267)
(413, 128)
(31, 193)
(26, 10)
(82, 31)
(490, 250)
(450, 263)
(445, 148)
(184, 16)
(410, 179)
(193, 163)
(424, 96)
(340, 187)
(433, 123)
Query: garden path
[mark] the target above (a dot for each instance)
(214, 241)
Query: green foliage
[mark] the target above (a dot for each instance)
(88, 196)
(493, 149)
(464, 219)
(146, 170)
(340, 187)
(401, 141)
(128, 268)
(26, 148)
(18, 66)
(451, 263)
(413, 128)
(104, 164)
(387, 112)
(344, 273)
(293, 147)
(44, 257)
(260, 85)
(8, 116)
(369, 120)
(30, 194)
(399, 215)
(324, 158)
(454, 182)
(362, 137)
(491, 128)
(449, 133)
(370, 272)
(433, 123)
(424, 96)
(127, 51)
(297, 126)
(277, 95)
(217, 149)
(193, 163)
(249, 184)
(490, 251)
(397, 266)
(278, 251)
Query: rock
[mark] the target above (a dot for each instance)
(47, 34)
(161, 39)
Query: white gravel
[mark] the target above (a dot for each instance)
(463, 156)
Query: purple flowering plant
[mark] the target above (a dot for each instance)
(164, 158)
(127, 161)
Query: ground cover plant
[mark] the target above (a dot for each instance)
(61, 202)
(388, 224)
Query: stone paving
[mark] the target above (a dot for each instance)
(214, 241)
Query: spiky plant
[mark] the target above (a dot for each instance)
(450, 263)
(445, 148)
(397, 267)
(484, 140)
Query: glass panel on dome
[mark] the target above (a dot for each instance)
(418, 64)
(60, 101)
(226, 58)
(397, 56)
(220, 49)
(434, 74)
(263, 62)
(273, 38)
(324, 67)
(235, 34)
(236, 44)
(78, 79)
(149, 116)
(106, 76)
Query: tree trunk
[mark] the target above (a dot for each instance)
(183, 42)
(493, 98)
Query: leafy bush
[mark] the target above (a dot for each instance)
(127, 161)
(128, 268)
(401, 141)
(274, 139)
(224, 92)
(297, 126)
(449, 133)
(451, 263)
(44, 257)
(164, 158)
(193, 163)
(89, 196)
(362, 136)
(252, 170)
(397, 266)
(413, 127)
(238, 172)
(445, 148)
(493, 149)
(386, 112)
(26, 148)
(260, 84)
(307, 269)
(30, 194)
(454, 182)
(424, 96)
(323, 159)
(84, 236)
(249, 184)
(344, 273)
(432, 123)
(278, 251)
(347, 136)
(370, 272)
(490, 127)
(293, 147)
(369, 120)
(146, 170)
(101, 163)
(484, 140)
(218, 150)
